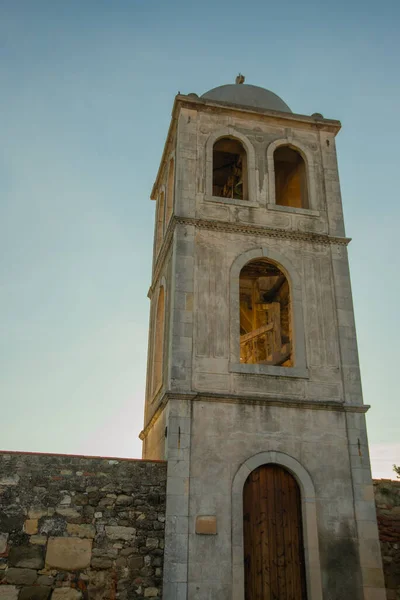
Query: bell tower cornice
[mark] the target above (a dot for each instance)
(195, 102)
(250, 230)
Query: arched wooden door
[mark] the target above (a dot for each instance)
(273, 541)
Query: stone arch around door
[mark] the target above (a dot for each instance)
(309, 517)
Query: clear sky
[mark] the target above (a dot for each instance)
(86, 91)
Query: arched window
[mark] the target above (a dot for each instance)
(170, 190)
(160, 222)
(230, 178)
(273, 535)
(265, 315)
(290, 178)
(158, 347)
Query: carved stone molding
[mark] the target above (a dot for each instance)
(212, 225)
(252, 400)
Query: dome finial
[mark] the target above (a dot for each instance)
(240, 78)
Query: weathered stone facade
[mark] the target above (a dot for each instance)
(387, 499)
(216, 416)
(78, 528)
(84, 528)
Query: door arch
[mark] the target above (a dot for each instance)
(274, 565)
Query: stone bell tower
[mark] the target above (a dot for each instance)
(253, 389)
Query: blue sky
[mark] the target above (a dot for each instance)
(86, 96)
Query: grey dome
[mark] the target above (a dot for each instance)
(247, 95)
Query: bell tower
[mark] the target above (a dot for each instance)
(253, 384)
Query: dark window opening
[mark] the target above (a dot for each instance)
(170, 191)
(265, 315)
(158, 349)
(230, 170)
(290, 178)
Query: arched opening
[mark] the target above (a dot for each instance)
(230, 177)
(273, 536)
(160, 221)
(170, 190)
(291, 187)
(158, 348)
(265, 315)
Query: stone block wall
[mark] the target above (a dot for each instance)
(387, 499)
(80, 528)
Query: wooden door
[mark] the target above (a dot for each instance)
(273, 541)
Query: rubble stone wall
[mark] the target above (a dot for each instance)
(387, 499)
(80, 528)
